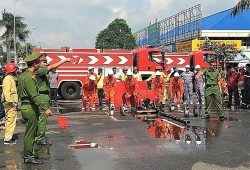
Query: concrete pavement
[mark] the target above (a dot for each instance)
(124, 142)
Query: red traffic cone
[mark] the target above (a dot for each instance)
(62, 122)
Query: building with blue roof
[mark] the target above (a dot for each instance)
(219, 26)
(222, 26)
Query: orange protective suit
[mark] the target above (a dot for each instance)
(130, 89)
(88, 90)
(109, 88)
(176, 87)
(158, 86)
(96, 80)
(223, 86)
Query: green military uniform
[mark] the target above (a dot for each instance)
(212, 91)
(31, 105)
(44, 92)
(222, 74)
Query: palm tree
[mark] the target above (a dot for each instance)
(241, 6)
(21, 32)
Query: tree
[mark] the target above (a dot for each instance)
(21, 32)
(241, 6)
(117, 35)
(3, 56)
(24, 50)
(223, 51)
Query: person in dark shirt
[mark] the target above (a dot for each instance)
(176, 70)
(2, 111)
(247, 87)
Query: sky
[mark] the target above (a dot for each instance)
(76, 23)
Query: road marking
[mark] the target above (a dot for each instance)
(173, 123)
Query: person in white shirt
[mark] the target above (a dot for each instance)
(116, 75)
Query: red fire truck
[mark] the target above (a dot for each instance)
(72, 74)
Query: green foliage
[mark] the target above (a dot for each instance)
(3, 56)
(241, 6)
(117, 35)
(221, 50)
(7, 37)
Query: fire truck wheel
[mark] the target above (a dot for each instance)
(70, 90)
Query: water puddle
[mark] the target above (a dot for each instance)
(193, 135)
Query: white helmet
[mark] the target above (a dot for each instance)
(91, 67)
(176, 74)
(129, 73)
(187, 66)
(110, 72)
(157, 73)
(92, 77)
(197, 66)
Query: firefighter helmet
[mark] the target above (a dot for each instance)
(135, 68)
(168, 70)
(187, 66)
(158, 68)
(125, 69)
(158, 73)
(92, 77)
(110, 72)
(90, 68)
(197, 66)
(176, 74)
(129, 73)
(10, 68)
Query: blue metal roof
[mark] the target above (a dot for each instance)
(224, 21)
(218, 21)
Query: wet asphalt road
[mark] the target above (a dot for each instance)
(128, 142)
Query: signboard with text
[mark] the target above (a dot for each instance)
(153, 35)
(194, 45)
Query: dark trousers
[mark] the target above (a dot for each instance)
(242, 95)
(100, 95)
(247, 95)
(2, 111)
(236, 95)
(53, 94)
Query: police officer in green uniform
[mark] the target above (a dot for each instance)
(212, 90)
(31, 105)
(44, 92)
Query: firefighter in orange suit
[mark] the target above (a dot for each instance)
(131, 86)
(89, 90)
(109, 87)
(176, 87)
(158, 86)
(91, 72)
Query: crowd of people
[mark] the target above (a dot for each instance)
(36, 87)
(209, 85)
(33, 86)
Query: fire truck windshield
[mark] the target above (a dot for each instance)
(155, 57)
(209, 57)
